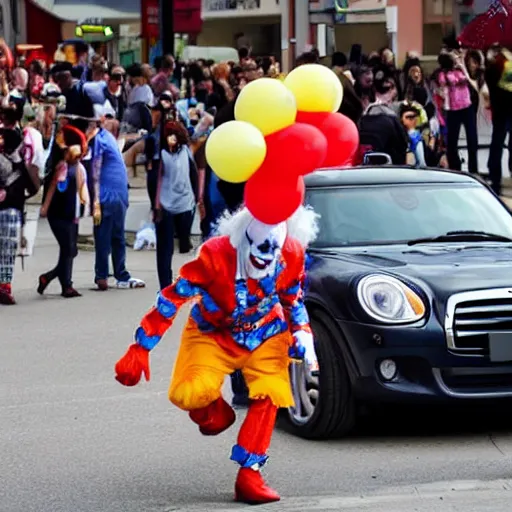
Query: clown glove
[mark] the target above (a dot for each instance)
(132, 365)
(305, 347)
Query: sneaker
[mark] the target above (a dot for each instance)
(44, 281)
(70, 293)
(131, 283)
(102, 284)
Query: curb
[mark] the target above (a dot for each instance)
(86, 242)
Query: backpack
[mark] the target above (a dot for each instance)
(382, 133)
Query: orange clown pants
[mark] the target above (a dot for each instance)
(203, 363)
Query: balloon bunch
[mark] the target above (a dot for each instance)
(283, 131)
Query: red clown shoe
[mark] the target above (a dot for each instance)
(214, 419)
(250, 452)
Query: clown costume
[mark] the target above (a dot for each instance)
(247, 288)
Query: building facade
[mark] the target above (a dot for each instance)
(403, 25)
(237, 23)
(13, 21)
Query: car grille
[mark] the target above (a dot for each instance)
(473, 315)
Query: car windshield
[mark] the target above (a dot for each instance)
(388, 214)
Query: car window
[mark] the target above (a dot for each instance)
(398, 213)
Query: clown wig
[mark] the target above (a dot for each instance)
(302, 225)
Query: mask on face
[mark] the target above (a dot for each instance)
(262, 248)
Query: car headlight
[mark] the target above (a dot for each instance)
(389, 300)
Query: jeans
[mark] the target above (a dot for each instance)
(165, 229)
(109, 239)
(501, 125)
(152, 182)
(454, 120)
(66, 234)
(239, 388)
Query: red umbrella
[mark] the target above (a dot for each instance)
(492, 27)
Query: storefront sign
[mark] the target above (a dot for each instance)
(150, 19)
(187, 16)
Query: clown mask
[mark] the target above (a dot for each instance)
(263, 245)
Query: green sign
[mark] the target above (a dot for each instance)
(92, 33)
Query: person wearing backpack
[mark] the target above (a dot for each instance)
(380, 130)
(176, 198)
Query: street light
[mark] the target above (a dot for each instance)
(167, 26)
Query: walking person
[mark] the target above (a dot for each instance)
(109, 210)
(176, 199)
(65, 193)
(17, 182)
(499, 79)
(454, 88)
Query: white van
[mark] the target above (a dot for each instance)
(215, 53)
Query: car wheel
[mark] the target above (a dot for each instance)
(324, 404)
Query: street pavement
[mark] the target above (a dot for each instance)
(73, 440)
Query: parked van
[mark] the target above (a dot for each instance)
(215, 53)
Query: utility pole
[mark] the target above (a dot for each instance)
(301, 29)
(167, 26)
(292, 41)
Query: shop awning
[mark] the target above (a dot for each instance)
(187, 13)
(107, 10)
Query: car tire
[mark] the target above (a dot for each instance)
(335, 411)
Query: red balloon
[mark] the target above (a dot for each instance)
(296, 150)
(272, 200)
(341, 134)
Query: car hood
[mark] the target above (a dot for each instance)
(445, 268)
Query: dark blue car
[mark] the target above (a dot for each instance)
(409, 292)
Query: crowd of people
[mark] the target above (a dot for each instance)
(76, 129)
(465, 87)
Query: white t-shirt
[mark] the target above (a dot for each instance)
(35, 153)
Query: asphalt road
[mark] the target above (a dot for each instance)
(73, 440)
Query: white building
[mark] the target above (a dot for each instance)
(236, 23)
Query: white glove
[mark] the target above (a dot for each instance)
(305, 339)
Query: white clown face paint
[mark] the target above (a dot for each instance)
(264, 248)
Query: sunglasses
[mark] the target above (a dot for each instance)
(410, 117)
(116, 77)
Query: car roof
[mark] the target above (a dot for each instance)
(384, 175)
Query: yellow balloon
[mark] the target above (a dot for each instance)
(235, 150)
(267, 104)
(316, 88)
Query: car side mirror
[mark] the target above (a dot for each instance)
(372, 158)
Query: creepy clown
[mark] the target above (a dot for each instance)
(248, 314)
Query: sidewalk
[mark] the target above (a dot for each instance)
(507, 188)
(139, 212)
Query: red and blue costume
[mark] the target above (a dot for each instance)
(252, 321)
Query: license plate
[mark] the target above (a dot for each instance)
(500, 347)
